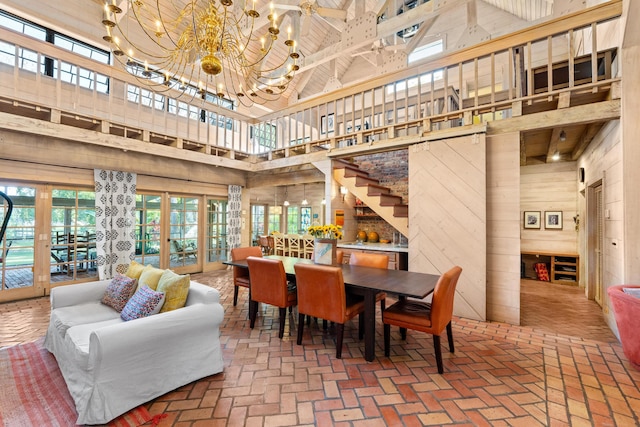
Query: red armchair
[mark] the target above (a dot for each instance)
(626, 309)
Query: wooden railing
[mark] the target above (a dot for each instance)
(479, 84)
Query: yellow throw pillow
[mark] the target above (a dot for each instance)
(135, 270)
(150, 276)
(175, 288)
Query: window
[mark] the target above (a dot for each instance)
(293, 220)
(275, 215)
(257, 221)
(425, 51)
(305, 219)
(184, 231)
(264, 134)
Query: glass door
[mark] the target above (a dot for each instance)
(17, 248)
(217, 250)
(73, 235)
(148, 210)
(183, 233)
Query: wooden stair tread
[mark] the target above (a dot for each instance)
(376, 190)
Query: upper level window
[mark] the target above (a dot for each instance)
(264, 134)
(426, 50)
(39, 32)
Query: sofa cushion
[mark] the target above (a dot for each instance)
(135, 270)
(64, 318)
(145, 302)
(79, 336)
(150, 276)
(119, 291)
(175, 288)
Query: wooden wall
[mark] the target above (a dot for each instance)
(503, 226)
(448, 216)
(549, 187)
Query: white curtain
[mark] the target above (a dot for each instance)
(115, 221)
(234, 220)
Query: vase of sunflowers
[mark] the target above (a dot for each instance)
(325, 242)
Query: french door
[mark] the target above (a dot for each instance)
(184, 238)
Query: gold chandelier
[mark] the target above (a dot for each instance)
(201, 47)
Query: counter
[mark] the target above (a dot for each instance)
(387, 247)
(398, 255)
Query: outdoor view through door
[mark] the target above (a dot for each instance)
(183, 238)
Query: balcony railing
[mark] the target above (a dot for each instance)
(479, 84)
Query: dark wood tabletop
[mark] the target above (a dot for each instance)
(368, 281)
(399, 282)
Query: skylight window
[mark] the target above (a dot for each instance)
(425, 51)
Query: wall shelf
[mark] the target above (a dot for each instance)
(564, 268)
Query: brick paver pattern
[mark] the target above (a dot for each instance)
(499, 375)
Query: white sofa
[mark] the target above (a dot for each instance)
(111, 366)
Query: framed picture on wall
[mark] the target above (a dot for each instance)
(553, 220)
(532, 219)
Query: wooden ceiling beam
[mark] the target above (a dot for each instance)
(585, 139)
(597, 112)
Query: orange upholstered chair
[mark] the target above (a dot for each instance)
(365, 259)
(431, 318)
(339, 256)
(241, 275)
(269, 285)
(321, 294)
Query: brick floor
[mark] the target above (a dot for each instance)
(552, 371)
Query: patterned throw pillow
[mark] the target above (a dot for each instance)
(135, 270)
(145, 302)
(119, 291)
(176, 289)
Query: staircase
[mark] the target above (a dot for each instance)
(375, 196)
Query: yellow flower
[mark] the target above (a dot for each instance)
(327, 231)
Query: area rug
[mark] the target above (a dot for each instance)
(33, 391)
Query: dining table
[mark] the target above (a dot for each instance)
(367, 282)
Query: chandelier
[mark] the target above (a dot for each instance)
(201, 48)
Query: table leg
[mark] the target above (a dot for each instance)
(370, 326)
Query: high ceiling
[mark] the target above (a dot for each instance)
(344, 42)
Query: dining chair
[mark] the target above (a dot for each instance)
(365, 259)
(263, 241)
(339, 256)
(432, 318)
(269, 285)
(294, 247)
(307, 244)
(241, 275)
(279, 244)
(322, 294)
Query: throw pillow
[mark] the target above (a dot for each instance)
(175, 288)
(135, 270)
(119, 291)
(145, 302)
(150, 276)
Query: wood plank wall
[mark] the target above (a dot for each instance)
(448, 216)
(503, 228)
(549, 187)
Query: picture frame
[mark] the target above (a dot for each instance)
(553, 220)
(327, 124)
(324, 251)
(532, 219)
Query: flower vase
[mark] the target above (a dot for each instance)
(324, 251)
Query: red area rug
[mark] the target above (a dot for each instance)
(33, 392)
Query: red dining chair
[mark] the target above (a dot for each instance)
(241, 275)
(322, 294)
(432, 318)
(269, 285)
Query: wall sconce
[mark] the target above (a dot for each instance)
(324, 201)
(344, 191)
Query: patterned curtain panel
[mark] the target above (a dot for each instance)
(234, 221)
(115, 221)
